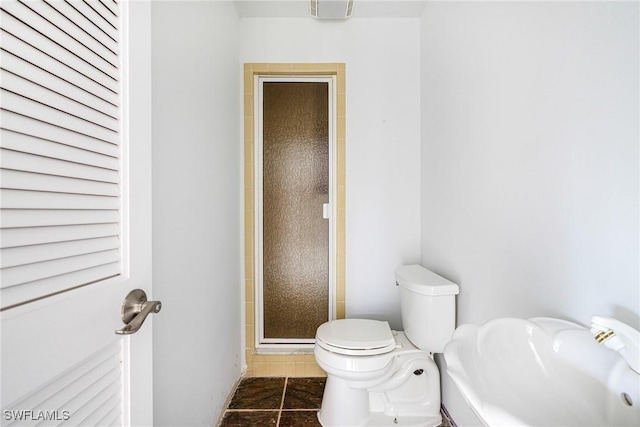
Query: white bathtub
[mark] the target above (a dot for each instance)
(541, 372)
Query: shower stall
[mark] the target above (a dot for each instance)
(294, 178)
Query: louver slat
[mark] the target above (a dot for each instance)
(89, 392)
(64, 103)
(113, 417)
(13, 237)
(16, 65)
(98, 20)
(106, 59)
(104, 12)
(84, 23)
(56, 66)
(55, 184)
(44, 27)
(13, 257)
(39, 110)
(60, 195)
(20, 218)
(27, 273)
(17, 160)
(40, 147)
(99, 406)
(19, 294)
(35, 128)
(17, 199)
(113, 8)
(12, 25)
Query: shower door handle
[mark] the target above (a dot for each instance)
(135, 310)
(326, 210)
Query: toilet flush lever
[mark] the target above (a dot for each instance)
(135, 310)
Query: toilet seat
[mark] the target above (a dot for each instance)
(356, 337)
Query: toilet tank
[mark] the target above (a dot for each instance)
(428, 306)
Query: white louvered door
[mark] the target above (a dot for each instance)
(75, 216)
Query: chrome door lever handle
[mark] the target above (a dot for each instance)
(135, 310)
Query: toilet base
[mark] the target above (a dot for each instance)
(333, 411)
(409, 397)
(382, 420)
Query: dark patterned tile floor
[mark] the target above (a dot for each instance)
(277, 402)
(258, 393)
(304, 393)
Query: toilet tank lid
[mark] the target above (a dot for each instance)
(418, 279)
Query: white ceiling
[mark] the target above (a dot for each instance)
(300, 8)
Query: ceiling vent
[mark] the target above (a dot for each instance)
(331, 9)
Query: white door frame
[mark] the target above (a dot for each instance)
(263, 344)
(138, 366)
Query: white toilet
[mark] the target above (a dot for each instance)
(380, 377)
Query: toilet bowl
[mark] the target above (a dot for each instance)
(380, 377)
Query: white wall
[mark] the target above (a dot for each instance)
(196, 210)
(530, 157)
(382, 59)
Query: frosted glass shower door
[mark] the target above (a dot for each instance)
(295, 244)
